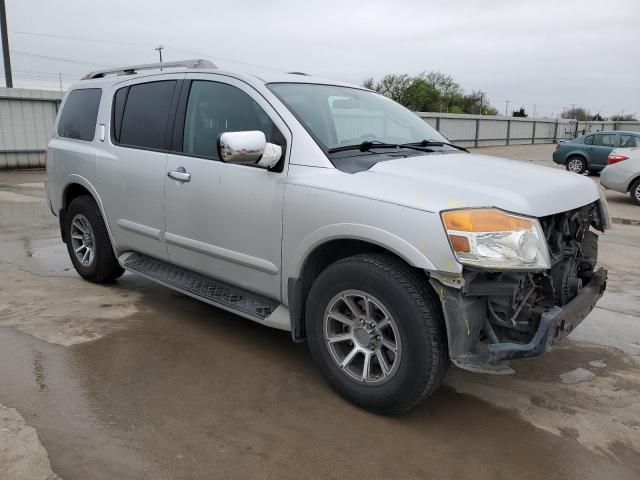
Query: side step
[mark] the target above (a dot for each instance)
(217, 293)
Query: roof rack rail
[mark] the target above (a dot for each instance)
(298, 73)
(197, 63)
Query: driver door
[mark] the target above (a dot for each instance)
(224, 220)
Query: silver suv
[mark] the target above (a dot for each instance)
(329, 211)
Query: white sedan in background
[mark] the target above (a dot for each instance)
(622, 173)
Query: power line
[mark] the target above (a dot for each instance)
(69, 60)
(51, 76)
(81, 39)
(146, 45)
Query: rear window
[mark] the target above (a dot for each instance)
(141, 114)
(79, 114)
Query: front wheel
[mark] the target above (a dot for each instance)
(576, 165)
(376, 331)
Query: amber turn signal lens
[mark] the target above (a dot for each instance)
(460, 243)
(484, 220)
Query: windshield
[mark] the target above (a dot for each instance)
(343, 116)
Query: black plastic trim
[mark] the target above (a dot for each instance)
(296, 309)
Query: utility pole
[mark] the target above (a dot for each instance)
(60, 78)
(159, 50)
(481, 104)
(506, 109)
(534, 111)
(5, 45)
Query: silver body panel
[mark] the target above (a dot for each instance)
(621, 175)
(255, 228)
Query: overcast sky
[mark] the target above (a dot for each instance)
(550, 53)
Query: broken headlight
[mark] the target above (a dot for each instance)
(491, 238)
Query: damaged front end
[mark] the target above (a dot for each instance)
(493, 316)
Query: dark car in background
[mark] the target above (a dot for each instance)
(589, 152)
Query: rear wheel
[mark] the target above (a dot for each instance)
(88, 242)
(634, 192)
(376, 331)
(576, 164)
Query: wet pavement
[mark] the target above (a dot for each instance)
(134, 381)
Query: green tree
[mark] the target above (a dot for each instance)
(430, 92)
(577, 113)
(624, 118)
(519, 113)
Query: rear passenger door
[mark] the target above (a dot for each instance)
(225, 221)
(603, 144)
(132, 169)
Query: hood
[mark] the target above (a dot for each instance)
(442, 182)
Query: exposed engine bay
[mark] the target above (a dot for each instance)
(503, 313)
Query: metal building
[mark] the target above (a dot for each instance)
(26, 123)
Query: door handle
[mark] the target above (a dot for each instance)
(181, 175)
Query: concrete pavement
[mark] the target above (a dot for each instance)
(132, 380)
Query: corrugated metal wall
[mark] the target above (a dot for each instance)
(27, 118)
(26, 122)
(484, 130)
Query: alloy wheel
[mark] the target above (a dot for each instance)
(83, 240)
(362, 337)
(575, 165)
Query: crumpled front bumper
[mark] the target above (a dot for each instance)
(555, 324)
(466, 317)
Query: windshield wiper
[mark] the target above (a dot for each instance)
(368, 145)
(433, 143)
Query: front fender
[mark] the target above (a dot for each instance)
(353, 231)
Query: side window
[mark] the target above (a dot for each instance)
(145, 113)
(589, 140)
(604, 140)
(214, 108)
(79, 114)
(627, 141)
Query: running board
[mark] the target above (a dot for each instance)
(233, 299)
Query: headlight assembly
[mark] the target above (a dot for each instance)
(491, 238)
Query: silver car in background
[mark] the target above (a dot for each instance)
(623, 173)
(329, 211)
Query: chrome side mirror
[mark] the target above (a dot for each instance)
(248, 147)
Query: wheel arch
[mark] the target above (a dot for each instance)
(577, 153)
(76, 186)
(319, 255)
(632, 181)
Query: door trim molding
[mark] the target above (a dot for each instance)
(140, 229)
(222, 253)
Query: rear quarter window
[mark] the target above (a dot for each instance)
(79, 114)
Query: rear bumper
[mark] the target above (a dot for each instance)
(558, 157)
(615, 179)
(555, 324)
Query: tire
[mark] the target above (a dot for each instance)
(576, 164)
(416, 328)
(95, 262)
(634, 191)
